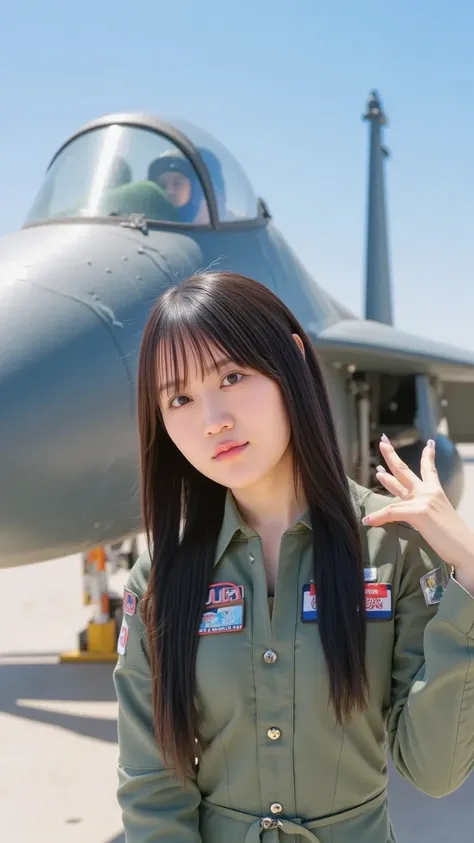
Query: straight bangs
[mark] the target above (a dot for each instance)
(200, 341)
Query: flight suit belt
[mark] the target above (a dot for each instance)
(271, 827)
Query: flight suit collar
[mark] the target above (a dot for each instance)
(233, 524)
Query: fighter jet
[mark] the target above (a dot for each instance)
(131, 204)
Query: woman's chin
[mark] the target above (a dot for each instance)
(237, 477)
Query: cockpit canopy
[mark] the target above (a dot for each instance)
(127, 166)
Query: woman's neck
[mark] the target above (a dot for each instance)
(273, 502)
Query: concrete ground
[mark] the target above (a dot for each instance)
(58, 723)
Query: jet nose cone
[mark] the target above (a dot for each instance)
(67, 431)
(74, 299)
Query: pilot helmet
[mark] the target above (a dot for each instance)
(174, 161)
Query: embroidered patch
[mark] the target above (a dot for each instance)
(378, 602)
(129, 602)
(433, 585)
(224, 618)
(123, 638)
(224, 592)
(309, 610)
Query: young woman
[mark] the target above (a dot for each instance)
(239, 720)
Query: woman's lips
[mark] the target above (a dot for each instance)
(230, 451)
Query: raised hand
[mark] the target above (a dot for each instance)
(424, 505)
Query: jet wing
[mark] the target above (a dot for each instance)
(373, 346)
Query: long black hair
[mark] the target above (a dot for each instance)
(183, 510)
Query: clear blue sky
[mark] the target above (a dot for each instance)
(283, 85)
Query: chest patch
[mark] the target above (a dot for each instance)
(309, 610)
(224, 592)
(378, 602)
(224, 611)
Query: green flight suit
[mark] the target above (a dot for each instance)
(278, 768)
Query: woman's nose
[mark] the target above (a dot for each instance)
(216, 422)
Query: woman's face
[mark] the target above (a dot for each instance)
(230, 424)
(177, 188)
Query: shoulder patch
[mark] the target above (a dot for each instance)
(123, 638)
(130, 601)
(433, 585)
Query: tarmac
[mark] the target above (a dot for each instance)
(58, 722)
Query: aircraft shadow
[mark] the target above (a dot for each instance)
(64, 682)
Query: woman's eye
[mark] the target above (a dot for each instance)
(179, 401)
(233, 378)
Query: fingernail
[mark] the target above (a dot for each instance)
(431, 444)
(385, 439)
(381, 470)
(366, 520)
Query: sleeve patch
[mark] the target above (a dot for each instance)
(130, 601)
(123, 638)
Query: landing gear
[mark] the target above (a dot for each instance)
(128, 552)
(364, 473)
(363, 419)
(98, 641)
(380, 409)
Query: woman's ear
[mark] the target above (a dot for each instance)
(299, 343)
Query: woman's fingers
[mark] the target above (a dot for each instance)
(390, 483)
(398, 511)
(399, 469)
(428, 470)
(415, 495)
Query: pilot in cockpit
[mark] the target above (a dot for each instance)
(177, 178)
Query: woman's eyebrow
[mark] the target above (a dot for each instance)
(170, 386)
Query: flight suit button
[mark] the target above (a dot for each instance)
(274, 734)
(270, 656)
(276, 808)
